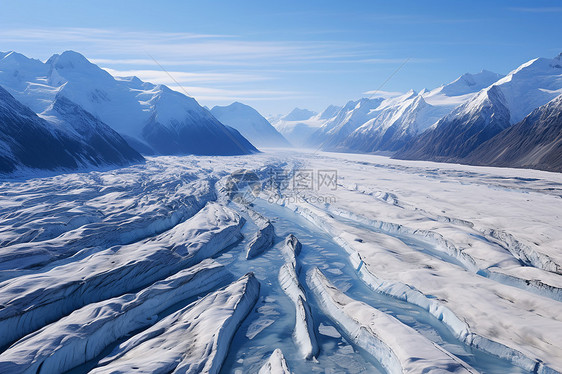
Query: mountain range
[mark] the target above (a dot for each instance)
(455, 122)
(535, 142)
(492, 110)
(68, 113)
(388, 124)
(153, 118)
(300, 124)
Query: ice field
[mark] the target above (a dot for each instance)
(281, 262)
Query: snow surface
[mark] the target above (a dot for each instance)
(437, 204)
(195, 339)
(31, 301)
(389, 341)
(467, 257)
(86, 332)
(276, 364)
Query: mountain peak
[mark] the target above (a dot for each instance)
(11, 55)
(330, 112)
(470, 83)
(299, 114)
(238, 104)
(68, 59)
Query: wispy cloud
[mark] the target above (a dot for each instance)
(162, 77)
(207, 94)
(383, 94)
(111, 46)
(183, 82)
(537, 9)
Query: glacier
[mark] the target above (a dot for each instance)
(209, 323)
(133, 255)
(392, 343)
(276, 364)
(33, 300)
(85, 333)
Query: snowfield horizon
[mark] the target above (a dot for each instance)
(241, 264)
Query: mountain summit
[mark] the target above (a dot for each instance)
(250, 124)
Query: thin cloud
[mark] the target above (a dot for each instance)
(537, 10)
(212, 95)
(189, 48)
(383, 94)
(162, 77)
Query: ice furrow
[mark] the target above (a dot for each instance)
(86, 332)
(435, 238)
(529, 285)
(116, 230)
(409, 294)
(399, 348)
(276, 364)
(304, 325)
(195, 339)
(524, 252)
(262, 240)
(32, 301)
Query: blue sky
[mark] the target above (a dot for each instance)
(278, 55)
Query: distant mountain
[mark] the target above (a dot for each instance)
(252, 125)
(492, 110)
(297, 131)
(535, 142)
(153, 118)
(387, 124)
(393, 126)
(298, 114)
(77, 141)
(334, 132)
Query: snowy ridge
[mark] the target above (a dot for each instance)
(388, 124)
(209, 322)
(397, 347)
(524, 252)
(540, 261)
(252, 125)
(407, 293)
(83, 335)
(304, 326)
(51, 295)
(276, 364)
(263, 240)
(179, 200)
(28, 142)
(300, 124)
(535, 142)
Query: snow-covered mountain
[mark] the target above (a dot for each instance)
(535, 142)
(299, 114)
(299, 124)
(71, 139)
(492, 110)
(166, 121)
(252, 125)
(378, 124)
(335, 131)
(396, 121)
